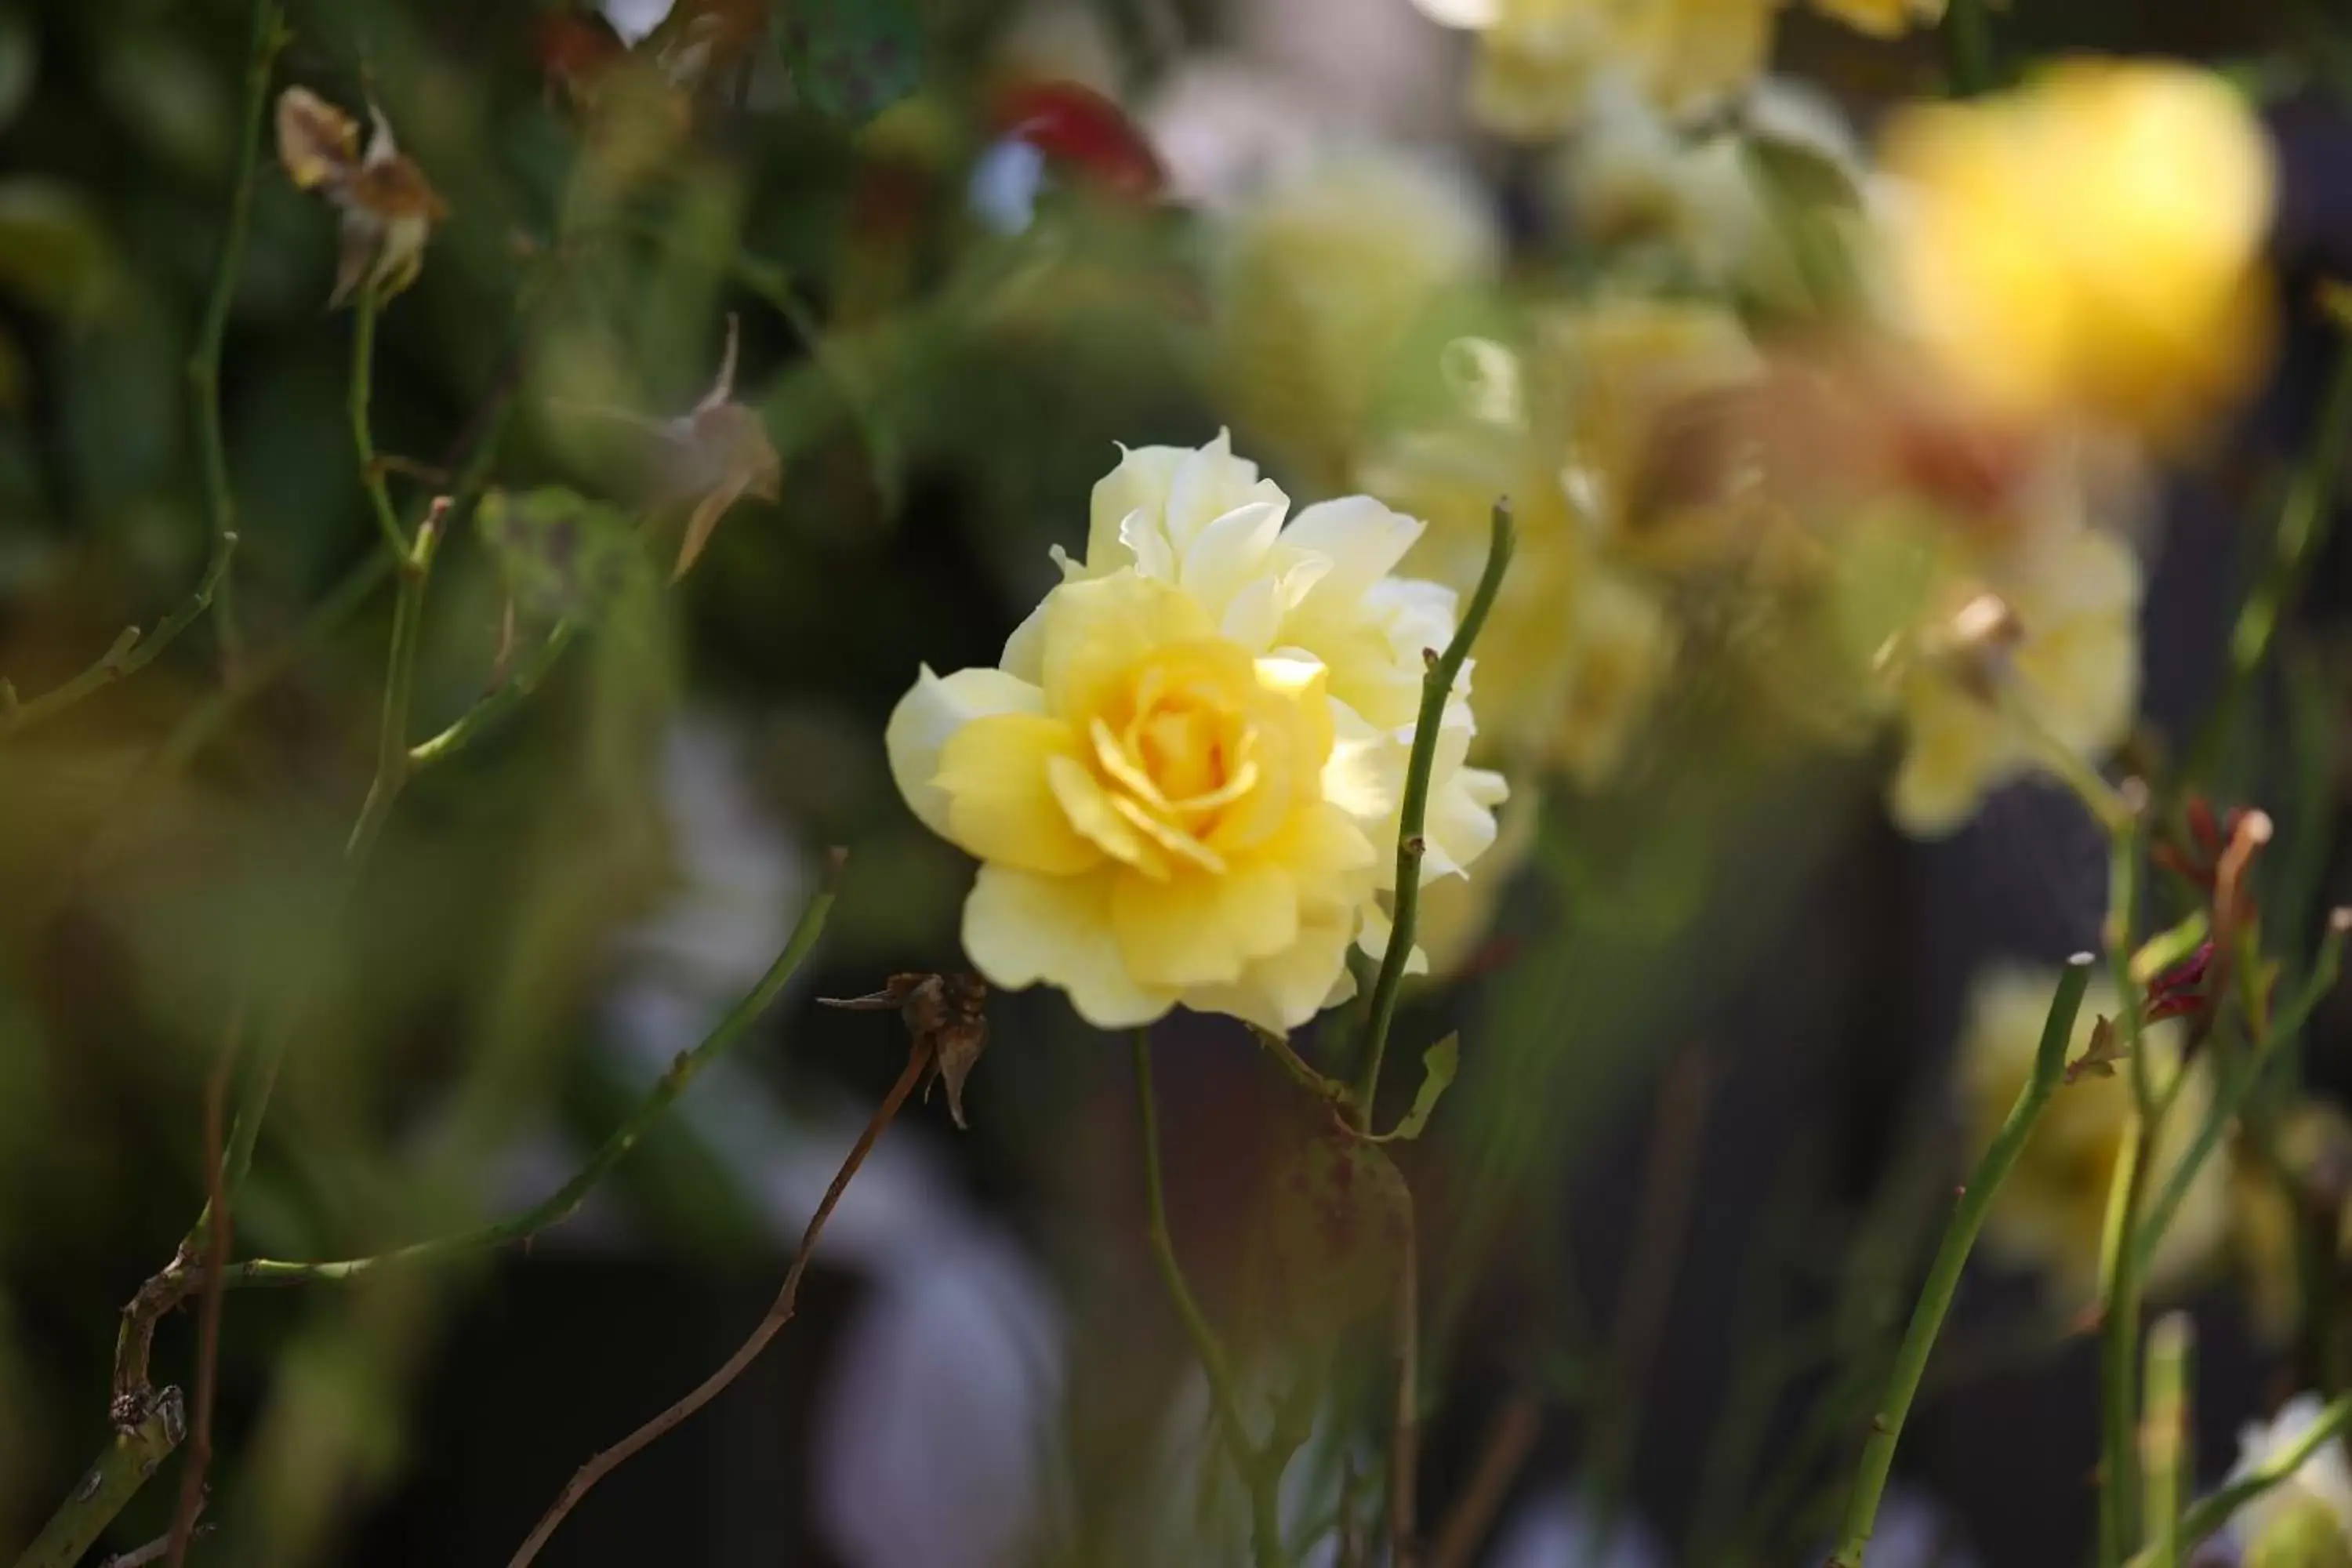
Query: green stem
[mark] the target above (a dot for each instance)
(1967, 36)
(2164, 1438)
(1436, 690)
(1266, 1525)
(1951, 1258)
(2205, 1519)
(130, 1457)
(2238, 1083)
(2303, 525)
(393, 767)
(2120, 1257)
(130, 654)
(269, 36)
(1330, 1091)
(494, 706)
(363, 393)
(559, 1204)
(2119, 1347)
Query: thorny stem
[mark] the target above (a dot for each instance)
(1265, 1527)
(268, 37)
(2209, 1513)
(393, 765)
(2164, 1437)
(618, 1146)
(199, 1452)
(2121, 1257)
(1436, 690)
(2303, 525)
(109, 1487)
(363, 393)
(495, 704)
(918, 1061)
(2119, 1304)
(128, 654)
(140, 1442)
(1951, 1258)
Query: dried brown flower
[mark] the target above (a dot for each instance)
(945, 1013)
(714, 455)
(388, 207)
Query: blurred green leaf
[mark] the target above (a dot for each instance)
(53, 254)
(20, 64)
(167, 94)
(851, 59)
(562, 555)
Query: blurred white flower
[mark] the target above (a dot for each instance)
(2319, 1492)
(1558, 1530)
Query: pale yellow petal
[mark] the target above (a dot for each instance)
(1200, 930)
(1001, 802)
(1090, 809)
(1097, 631)
(930, 714)
(1957, 748)
(1287, 989)
(1021, 929)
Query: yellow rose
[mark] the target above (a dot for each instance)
(1183, 779)
(1163, 817)
(1322, 586)
(2052, 1210)
(2088, 244)
(1579, 643)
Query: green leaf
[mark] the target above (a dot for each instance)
(562, 555)
(1438, 1065)
(851, 59)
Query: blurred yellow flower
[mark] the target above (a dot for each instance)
(1693, 207)
(2028, 660)
(1580, 643)
(2088, 244)
(1882, 18)
(1323, 275)
(1183, 778)
(2050, 1211)
(1541, 62)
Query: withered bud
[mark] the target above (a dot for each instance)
(946, 1015)
(717, 454)
(387, 207)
